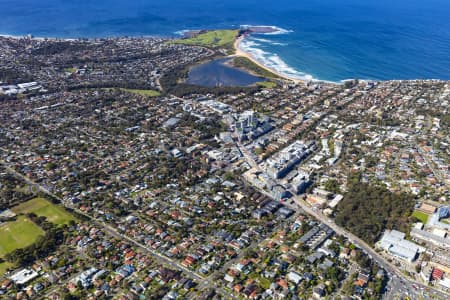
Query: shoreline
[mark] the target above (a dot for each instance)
(238, 52)
(39, 38)
(242, 53)
(237, 41)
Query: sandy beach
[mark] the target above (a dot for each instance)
(239, 52)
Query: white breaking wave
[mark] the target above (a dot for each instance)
(269, 42)
(182, 32)
(276, 29)
(261, 40)
(249, 43)
(279, 31)
(272, 60)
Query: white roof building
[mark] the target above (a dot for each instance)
(445, 283)
(394, 242)
(294, 277)
(335, 201)
(431, 237)
(23, 276)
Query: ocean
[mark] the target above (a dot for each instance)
(329, 40)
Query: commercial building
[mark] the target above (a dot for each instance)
(284, 161)
(434, 237)
(435, 219)
(24, 276)
(427, 208)
(279, 192)
(394, 243)
(249, 127)
(301, 182)
(316, 236)
(218, 107)
(445, 283)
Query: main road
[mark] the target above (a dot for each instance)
(399, 282)
(397, 278)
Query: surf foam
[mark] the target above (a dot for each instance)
(276, 29)
(269, 42)
(271, 60)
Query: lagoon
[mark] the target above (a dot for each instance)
(321, 39)
(218, 73)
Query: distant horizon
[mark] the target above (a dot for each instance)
(331, 41)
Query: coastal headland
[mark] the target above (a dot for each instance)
(227, 43)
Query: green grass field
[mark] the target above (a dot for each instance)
(149, 93)
(423, 217)
(70, 70)
(212, 39)
(42, 207)
(18, 234)
(4, 266)
(267, 84)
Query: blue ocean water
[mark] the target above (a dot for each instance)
(323, 39)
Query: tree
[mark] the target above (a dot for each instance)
(367, 210)
(41, 248)
(417, 268)
(333, 186)
(68, 296)
(79, 285)
(228, 176)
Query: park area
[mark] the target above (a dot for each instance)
(213, 39)
(17, 234)
(54, 213)
(148, 93)
(423, 217)
(22, 232)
